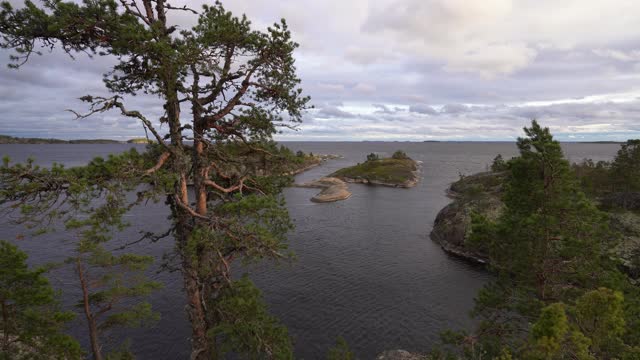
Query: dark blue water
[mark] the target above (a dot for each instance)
(365, 269)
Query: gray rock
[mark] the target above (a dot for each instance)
(333, 189)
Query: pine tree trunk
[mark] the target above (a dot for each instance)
(202, 348)
(91, 321)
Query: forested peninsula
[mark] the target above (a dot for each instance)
(613, 187)
(562, 242)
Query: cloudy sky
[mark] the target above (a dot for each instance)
(401, 70)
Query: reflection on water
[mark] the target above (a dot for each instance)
(365, 269)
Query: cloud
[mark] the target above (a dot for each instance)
(455, 109)
(442, 68)
(333, 112)
(633, 55)
(423, 109)
(331, 87)
(383, 109)
(498, 37)
(493, 60)
(568, 121)
(456, 32)
(364, 88)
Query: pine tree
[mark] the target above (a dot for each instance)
(109, 283)
(32, 325)
(241, 87)
(625, 169)
(549, 246)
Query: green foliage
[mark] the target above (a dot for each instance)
(246, 327)
(112, 285)
(31, 325)
(549, 332)
(595, 178)
(549, 250)
(594, 330)
(600, 314)
(399, 154)
(121, 353)
(615, 183)
(340, 351)
(373, 157)
(626, 166)
(498, 164)
(391, 171)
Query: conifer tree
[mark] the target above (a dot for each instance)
(240, 86)
(550, 246)
(626, 167)
(31, 326)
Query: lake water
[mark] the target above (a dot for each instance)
(365, 268)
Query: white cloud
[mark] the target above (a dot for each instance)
(331, 87)
(499, 37)
(364, 88)
(633, 55)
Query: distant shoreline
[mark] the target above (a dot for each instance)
(5, 139)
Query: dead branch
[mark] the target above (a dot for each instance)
(101, 104)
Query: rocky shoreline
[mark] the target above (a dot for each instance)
(333, 189)
(452, 226)
(407, 184)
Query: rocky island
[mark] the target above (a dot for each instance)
(397, 171)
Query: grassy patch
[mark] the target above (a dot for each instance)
(391, 171)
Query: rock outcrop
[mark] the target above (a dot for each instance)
(406, 184)
(477, 193)
(333, 189)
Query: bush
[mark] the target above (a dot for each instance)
(498, 164)
(300, 154)
(372, 157)
(400, 155)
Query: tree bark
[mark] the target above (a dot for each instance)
(91, 321)
(202, 348)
